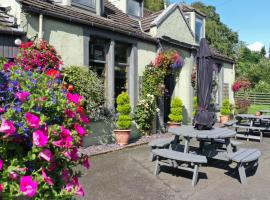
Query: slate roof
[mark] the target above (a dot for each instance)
(116, 20)
(8, 23)
(187, 8)
(146, 21)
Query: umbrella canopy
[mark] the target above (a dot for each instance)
(204, 119)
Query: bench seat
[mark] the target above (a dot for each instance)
(253, 128)
(230, 123)
(245, 158)
(161, 142)
(179, 157)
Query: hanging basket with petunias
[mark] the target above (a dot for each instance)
(41, 131)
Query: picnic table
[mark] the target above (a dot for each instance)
(215, 134)
(264, 111)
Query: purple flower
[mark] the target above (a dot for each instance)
(22, 96)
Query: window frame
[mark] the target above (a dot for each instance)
(84, 6)
(202, 28)
(141, 8)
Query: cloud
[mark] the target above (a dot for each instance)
(256, 46)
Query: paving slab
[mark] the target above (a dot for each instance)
(128, 175)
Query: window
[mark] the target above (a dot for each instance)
(121, 68)
(134, 8)
(187, 16)
(87, 3)
(198, 29)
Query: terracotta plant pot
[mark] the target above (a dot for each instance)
(173, 124)
(224, 118)
(122, 136)
(258, 113)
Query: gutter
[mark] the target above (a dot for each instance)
(85, 22)
(11, 31)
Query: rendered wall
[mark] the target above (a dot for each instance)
(15, 8)
(175, 27)
(229, 78)
(67, 38)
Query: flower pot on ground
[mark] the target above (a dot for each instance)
(226, 111)
(176, 113)
(122, 134)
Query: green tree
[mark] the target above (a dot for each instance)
(219, 35)
(154, 5)
(263, 51)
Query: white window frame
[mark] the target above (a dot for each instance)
(141, 8)
(197, 18)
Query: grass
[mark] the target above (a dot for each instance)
(254, 108)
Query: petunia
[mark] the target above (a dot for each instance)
(74, 184)
(75, 98)
(53, 73)
(46, 154)
(85, 162)
(32, 120)
(65, 175)
(80, 109)
(72, 155)
(28, 186)
(2, 110)
(79, 129)
(84, 119)
(22, 96)
(40, 139)
(66, 139)
(1, 164)
(46, 178)
(13, 175)
(7, 127)
(70, 113)
(1, 187)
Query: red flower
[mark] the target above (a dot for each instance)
(53, 73)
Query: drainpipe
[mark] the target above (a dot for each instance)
(165, 4)
(40, 27)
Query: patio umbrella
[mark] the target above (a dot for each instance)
(204, 119)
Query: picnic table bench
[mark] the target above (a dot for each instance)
(180, 158)
(245, 159)
(159, 144)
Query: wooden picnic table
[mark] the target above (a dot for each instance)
(189, 132)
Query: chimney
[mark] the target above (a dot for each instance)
(100, 7)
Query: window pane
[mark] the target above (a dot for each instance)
(121, 53)
(97, 49)
(134, 8)
(198, 29)
(90, 3)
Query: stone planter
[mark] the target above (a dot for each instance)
(224, 118)
(173, 124)
(122, 136)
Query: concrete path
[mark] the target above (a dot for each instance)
(128, 175)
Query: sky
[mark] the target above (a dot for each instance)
(251, 19)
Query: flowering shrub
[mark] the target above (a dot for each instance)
(242, 105)
(169, 60)
(42, 127)
(145, 113)
(241, 84)
(38, 56)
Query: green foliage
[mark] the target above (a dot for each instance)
(145, 113)
(218, 34)
(226, 107)
(86, 83)
(123, 108)
(261, 87)
(263, 51)
(176, 110)
(153, 81)
(154, 5)
(195, 106)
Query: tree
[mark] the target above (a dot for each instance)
(219, 35)
(154, 5)
(263, 51)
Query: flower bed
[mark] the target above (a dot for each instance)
(42, 126)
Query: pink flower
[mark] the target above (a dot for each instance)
(40, 139)
(66, 139)
(52, 166)
(74, 184)
(79, 129)
(1, 187)
(85, 162)
(7, 127)
(33, 121)
(46, 154)
(13, 175)
(65, 175)
(22, 96)
(75, 98)
(46, 178)
(28, 186)
(1, 164)
(72, 155)
(2, 110)
(70, 114)
(84, 119)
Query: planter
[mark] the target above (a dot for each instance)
(122, 136)
(173, 124)
(224, 118)
(258, 113)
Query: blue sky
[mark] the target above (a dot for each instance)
(251, 19)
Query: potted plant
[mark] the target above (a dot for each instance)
(176, 112)
(122, 134)
(225, 111)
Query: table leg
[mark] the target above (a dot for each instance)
(228, 145)
(187, 140)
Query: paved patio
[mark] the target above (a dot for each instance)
(128, 175)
